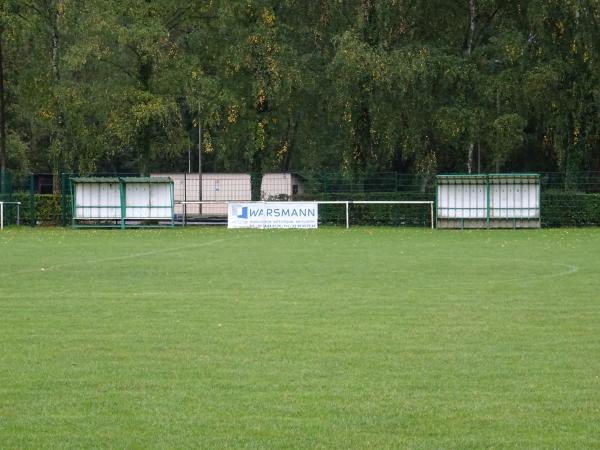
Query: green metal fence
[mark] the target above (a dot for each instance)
(567, 200)
(18, 188)
(570, 199)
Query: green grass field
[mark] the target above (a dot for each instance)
(367, 338)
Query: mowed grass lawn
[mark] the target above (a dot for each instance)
(367, 338)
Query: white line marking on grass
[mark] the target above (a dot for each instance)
(150, 253)
(571, 269)
(117, 258)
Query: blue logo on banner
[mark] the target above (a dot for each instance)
(242, 212)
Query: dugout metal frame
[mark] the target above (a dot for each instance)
(503, 200)
(117, 214)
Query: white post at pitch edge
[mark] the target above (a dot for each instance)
(347, 217)
(2, 212)
(432, 216)
(199, 160)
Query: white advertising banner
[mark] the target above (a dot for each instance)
(272, 215)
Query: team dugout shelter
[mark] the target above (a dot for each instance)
(121, 202)
(488, 201)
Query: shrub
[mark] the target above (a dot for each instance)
(45, 209)
(570, 209)
(390, 215)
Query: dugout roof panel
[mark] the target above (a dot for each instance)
(95, 179)
(461, 179)
(124, 179)
(147, 179)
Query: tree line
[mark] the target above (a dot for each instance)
(351, 86)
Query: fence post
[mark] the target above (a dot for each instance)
(32, 211)
(63, 200)
(488, 199)
(122, 192)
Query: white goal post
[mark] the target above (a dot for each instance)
(346, 203)
(396, 202)
(2, 212)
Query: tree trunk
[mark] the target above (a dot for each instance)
(468, 50)
(470, 157)
(144, 148)
(2, 116)
(472, 23)
(56, 137)
(363, 144)
(369, 19)
(290, 141)
(145, 133)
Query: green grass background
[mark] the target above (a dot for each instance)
(363, 338)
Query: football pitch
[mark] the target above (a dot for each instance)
(368, 338)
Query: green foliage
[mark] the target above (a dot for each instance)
(355, 86)
(377, 215)
(570, 209)
(506, 132)
(48, 209)
(42, 209)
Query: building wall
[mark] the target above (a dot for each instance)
(215, 187)
(280, 186)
